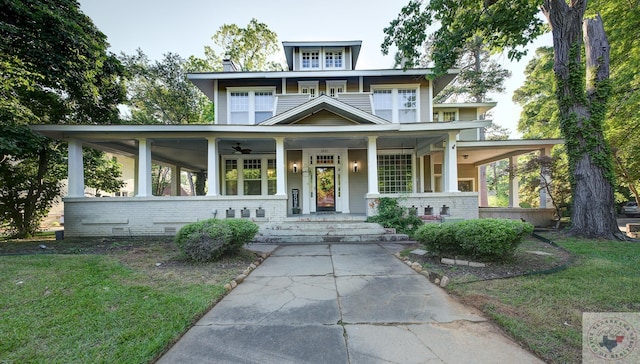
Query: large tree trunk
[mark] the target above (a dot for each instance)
(582, 114)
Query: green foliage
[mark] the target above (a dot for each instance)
(100, 172)
(160, 93)
(210, 239)
(484, 239)
(31, 167)
(60, 71)
(242, 232)
(204, 241)
(251, 48)
(392, 215)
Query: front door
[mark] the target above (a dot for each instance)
(325, 188)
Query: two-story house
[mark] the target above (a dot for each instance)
(321, 137)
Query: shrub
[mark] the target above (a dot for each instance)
(392, 215)
(242, 232)
(208, 240)
(484, 239)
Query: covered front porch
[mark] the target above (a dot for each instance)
(273, 173)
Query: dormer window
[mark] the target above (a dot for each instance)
(333, 59)
(311, 59)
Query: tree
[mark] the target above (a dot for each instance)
(251, 48)
(55, 69)
(540, 119)
(581, 96)
(623, 123)
(160, 93)
(479, 75)
(100, 172)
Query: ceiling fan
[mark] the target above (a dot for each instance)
(239, 150)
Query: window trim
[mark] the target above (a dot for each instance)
(340, 50)
(395, 110)
(310, 84)
(264, 177)
(310, 51)
(396, 152)
(336, 83)
(252, 102)
(441, 111)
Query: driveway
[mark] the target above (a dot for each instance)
(352, 303)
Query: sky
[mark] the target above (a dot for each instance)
(186, 26)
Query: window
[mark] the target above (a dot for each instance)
(449, 116)
(407, 107)
(239, 108)
(336, 87)
(249, 176)
(264, 106)
(394, 173)
(231, 177)
(250, 106)
(311, 59)
(398, 105)
(308, 87)
(271, 177)
(383, 104)
(333, 59)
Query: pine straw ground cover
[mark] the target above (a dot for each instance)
(102, 301)
(544, 311)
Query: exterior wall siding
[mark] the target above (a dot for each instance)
(358, 183)
(158, 215)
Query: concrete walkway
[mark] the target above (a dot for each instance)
(353, 303)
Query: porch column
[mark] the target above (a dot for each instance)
(545, 199)
(432, 175)
(421, 175)
(372, 165)
(212, 167)
(76, 169)
(144, 168)
(281, 171)
(514, 192)
(450, 165)
(176, 186)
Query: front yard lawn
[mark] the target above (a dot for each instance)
(544, 312)
(117, 302)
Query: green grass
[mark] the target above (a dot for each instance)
(91, 309)
(545, 312)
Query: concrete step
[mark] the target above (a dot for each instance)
(330, 229)
(324, 239)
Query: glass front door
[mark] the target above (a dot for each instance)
(325, 188)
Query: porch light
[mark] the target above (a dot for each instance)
(355, 166)
(295, 167)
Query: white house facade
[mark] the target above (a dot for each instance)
(320, 138)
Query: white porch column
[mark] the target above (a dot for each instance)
(176, 187)
(421, 175)
(372, 165)
(212, 167)
(450, 165)
(432, 175)
(75, 169)
(545, 199)
(514, 192)
(281, 170)
(144, 168)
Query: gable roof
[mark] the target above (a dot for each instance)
(325, 102)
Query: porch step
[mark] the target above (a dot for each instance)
(319, 230)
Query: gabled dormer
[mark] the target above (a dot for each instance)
(322, 56)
